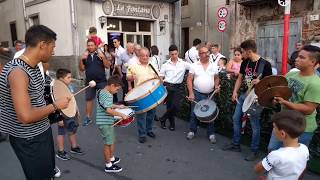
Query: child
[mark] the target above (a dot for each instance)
(222, 64)
(289, 161)
(68, 124)
(105, 119)
(93, 35)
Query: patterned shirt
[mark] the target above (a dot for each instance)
(9, 122)
(104, 99)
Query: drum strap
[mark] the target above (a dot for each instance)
(98, 98)
(154, 70)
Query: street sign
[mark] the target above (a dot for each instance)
(222, 12)
(222, 25)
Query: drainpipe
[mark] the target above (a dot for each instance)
(75, 35)
(206, 20)
(25, 18)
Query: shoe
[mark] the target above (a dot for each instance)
(232, 147)
(252, 156)
(76, 150)
(163, 124)
(190, 135)
(116, 160)
(87, 121)
(212, 139)
(63, 155)
(57, 172)
(172, 126)
(151, 134)
(113, 168)
(142, 139)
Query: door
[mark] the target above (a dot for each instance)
(269, 40)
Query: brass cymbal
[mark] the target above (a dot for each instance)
(270, 81)
(266, 97)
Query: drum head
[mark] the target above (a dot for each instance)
(61, 90)
(142, 90)
(249, 101)
(205, 108)
(127, 111)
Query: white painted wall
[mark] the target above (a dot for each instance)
(11, 10)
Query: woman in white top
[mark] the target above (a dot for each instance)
(155, 59)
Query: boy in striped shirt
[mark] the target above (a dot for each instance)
(105, 120)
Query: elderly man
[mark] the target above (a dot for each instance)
(202, 80)
(139, 73)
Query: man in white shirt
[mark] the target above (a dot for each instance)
(155, 59)
(118, 50)
(122, 63)
(202, 80)
(192, 54)
(173, 73)
(216, 55)
(132, 61)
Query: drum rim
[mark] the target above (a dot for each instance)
(252, 91)
(153, 105)
(215, 117)
(144, 95)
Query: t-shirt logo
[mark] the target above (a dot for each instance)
(296, 86)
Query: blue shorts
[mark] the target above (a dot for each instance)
(275, 144)
(91, 92)
(70, 125)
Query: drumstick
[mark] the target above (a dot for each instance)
(117, 122)
(91, 84)
(194, 101)
(214, 92)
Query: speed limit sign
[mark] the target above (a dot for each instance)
(222, 25)
(222, 12)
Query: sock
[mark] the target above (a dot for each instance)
(112, 158)
(109, 164)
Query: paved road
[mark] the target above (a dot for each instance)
(170, 156)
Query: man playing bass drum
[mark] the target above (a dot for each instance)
(252, 67)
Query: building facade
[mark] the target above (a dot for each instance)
(147, 22)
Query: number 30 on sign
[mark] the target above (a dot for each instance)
(222, 25)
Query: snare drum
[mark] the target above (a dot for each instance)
(56, 116)
(206, 111)
(147, 96)
(250, 105)
(126, 122)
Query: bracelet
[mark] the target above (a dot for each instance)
(55, 107)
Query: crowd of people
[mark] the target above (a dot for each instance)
(24, 111)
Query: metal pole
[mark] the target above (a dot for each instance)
(286, 35)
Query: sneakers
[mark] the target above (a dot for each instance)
(57, 172)
(142, 139)
(63, 155)
(151, 134)
(113, 168)
(87, 121)
(252, 156)
(212, 139)
(76, 150)
(232, 147)
(116, 160)
(190, 135)
(163, 124)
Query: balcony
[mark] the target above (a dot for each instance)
(252, 2)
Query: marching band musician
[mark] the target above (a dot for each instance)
(173, 73)
(202, 80)
(139, 73)
(251, 68)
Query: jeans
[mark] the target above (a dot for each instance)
(193, 120)
(275, 144)
(255, 125)
(145, 122)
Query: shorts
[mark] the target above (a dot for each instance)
(91, 92)
(107, 133)
(70, 125)
(36, 155)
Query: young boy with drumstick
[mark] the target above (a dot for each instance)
(105, 121)
(67, 124)
(289, 161)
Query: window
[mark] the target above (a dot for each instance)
(13, 30)
(34, 19)
(129, 25)
(145, 26)
(113, 24)
(184, 2)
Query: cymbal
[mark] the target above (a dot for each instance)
(266, 97)
(270, 81)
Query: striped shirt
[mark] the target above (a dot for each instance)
(8, 118)
(105, 99)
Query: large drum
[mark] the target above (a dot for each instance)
(206, 111)
(58, 90)
(147, 96)
(125, 122)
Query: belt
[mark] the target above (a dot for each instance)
(172, 84)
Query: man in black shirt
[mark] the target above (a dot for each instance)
(294, 55)
(252, 69)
